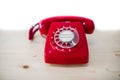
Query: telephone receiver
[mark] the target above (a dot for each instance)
(65, 39)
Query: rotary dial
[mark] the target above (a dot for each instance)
(66, 37)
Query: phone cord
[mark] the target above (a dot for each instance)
(32, 31)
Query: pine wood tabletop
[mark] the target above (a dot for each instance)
(21, 59)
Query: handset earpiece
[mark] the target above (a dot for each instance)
(88, 26)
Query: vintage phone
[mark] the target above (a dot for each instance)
(65, 39)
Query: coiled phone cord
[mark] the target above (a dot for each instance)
(32, 31)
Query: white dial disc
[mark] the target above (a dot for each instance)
(66, 36)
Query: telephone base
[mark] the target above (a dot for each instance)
(53, 60)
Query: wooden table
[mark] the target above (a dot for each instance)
(21, 59)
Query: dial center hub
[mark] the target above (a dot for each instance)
(66, 36)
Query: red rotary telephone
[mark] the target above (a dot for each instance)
(66, 41)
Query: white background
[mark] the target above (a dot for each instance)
(21, 14)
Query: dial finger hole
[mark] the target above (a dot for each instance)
(60, 30)
(56, 36)
(72, 30)
(57, 39)
(57, 32)
(68, 44)
(64, 45)
(64, 28)
(68, 29)
(60, 43)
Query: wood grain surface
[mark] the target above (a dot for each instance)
(21, 59)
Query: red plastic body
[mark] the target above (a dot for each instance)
(77, 55)
(54, 54)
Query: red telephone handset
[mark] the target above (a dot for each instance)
(66, 41)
